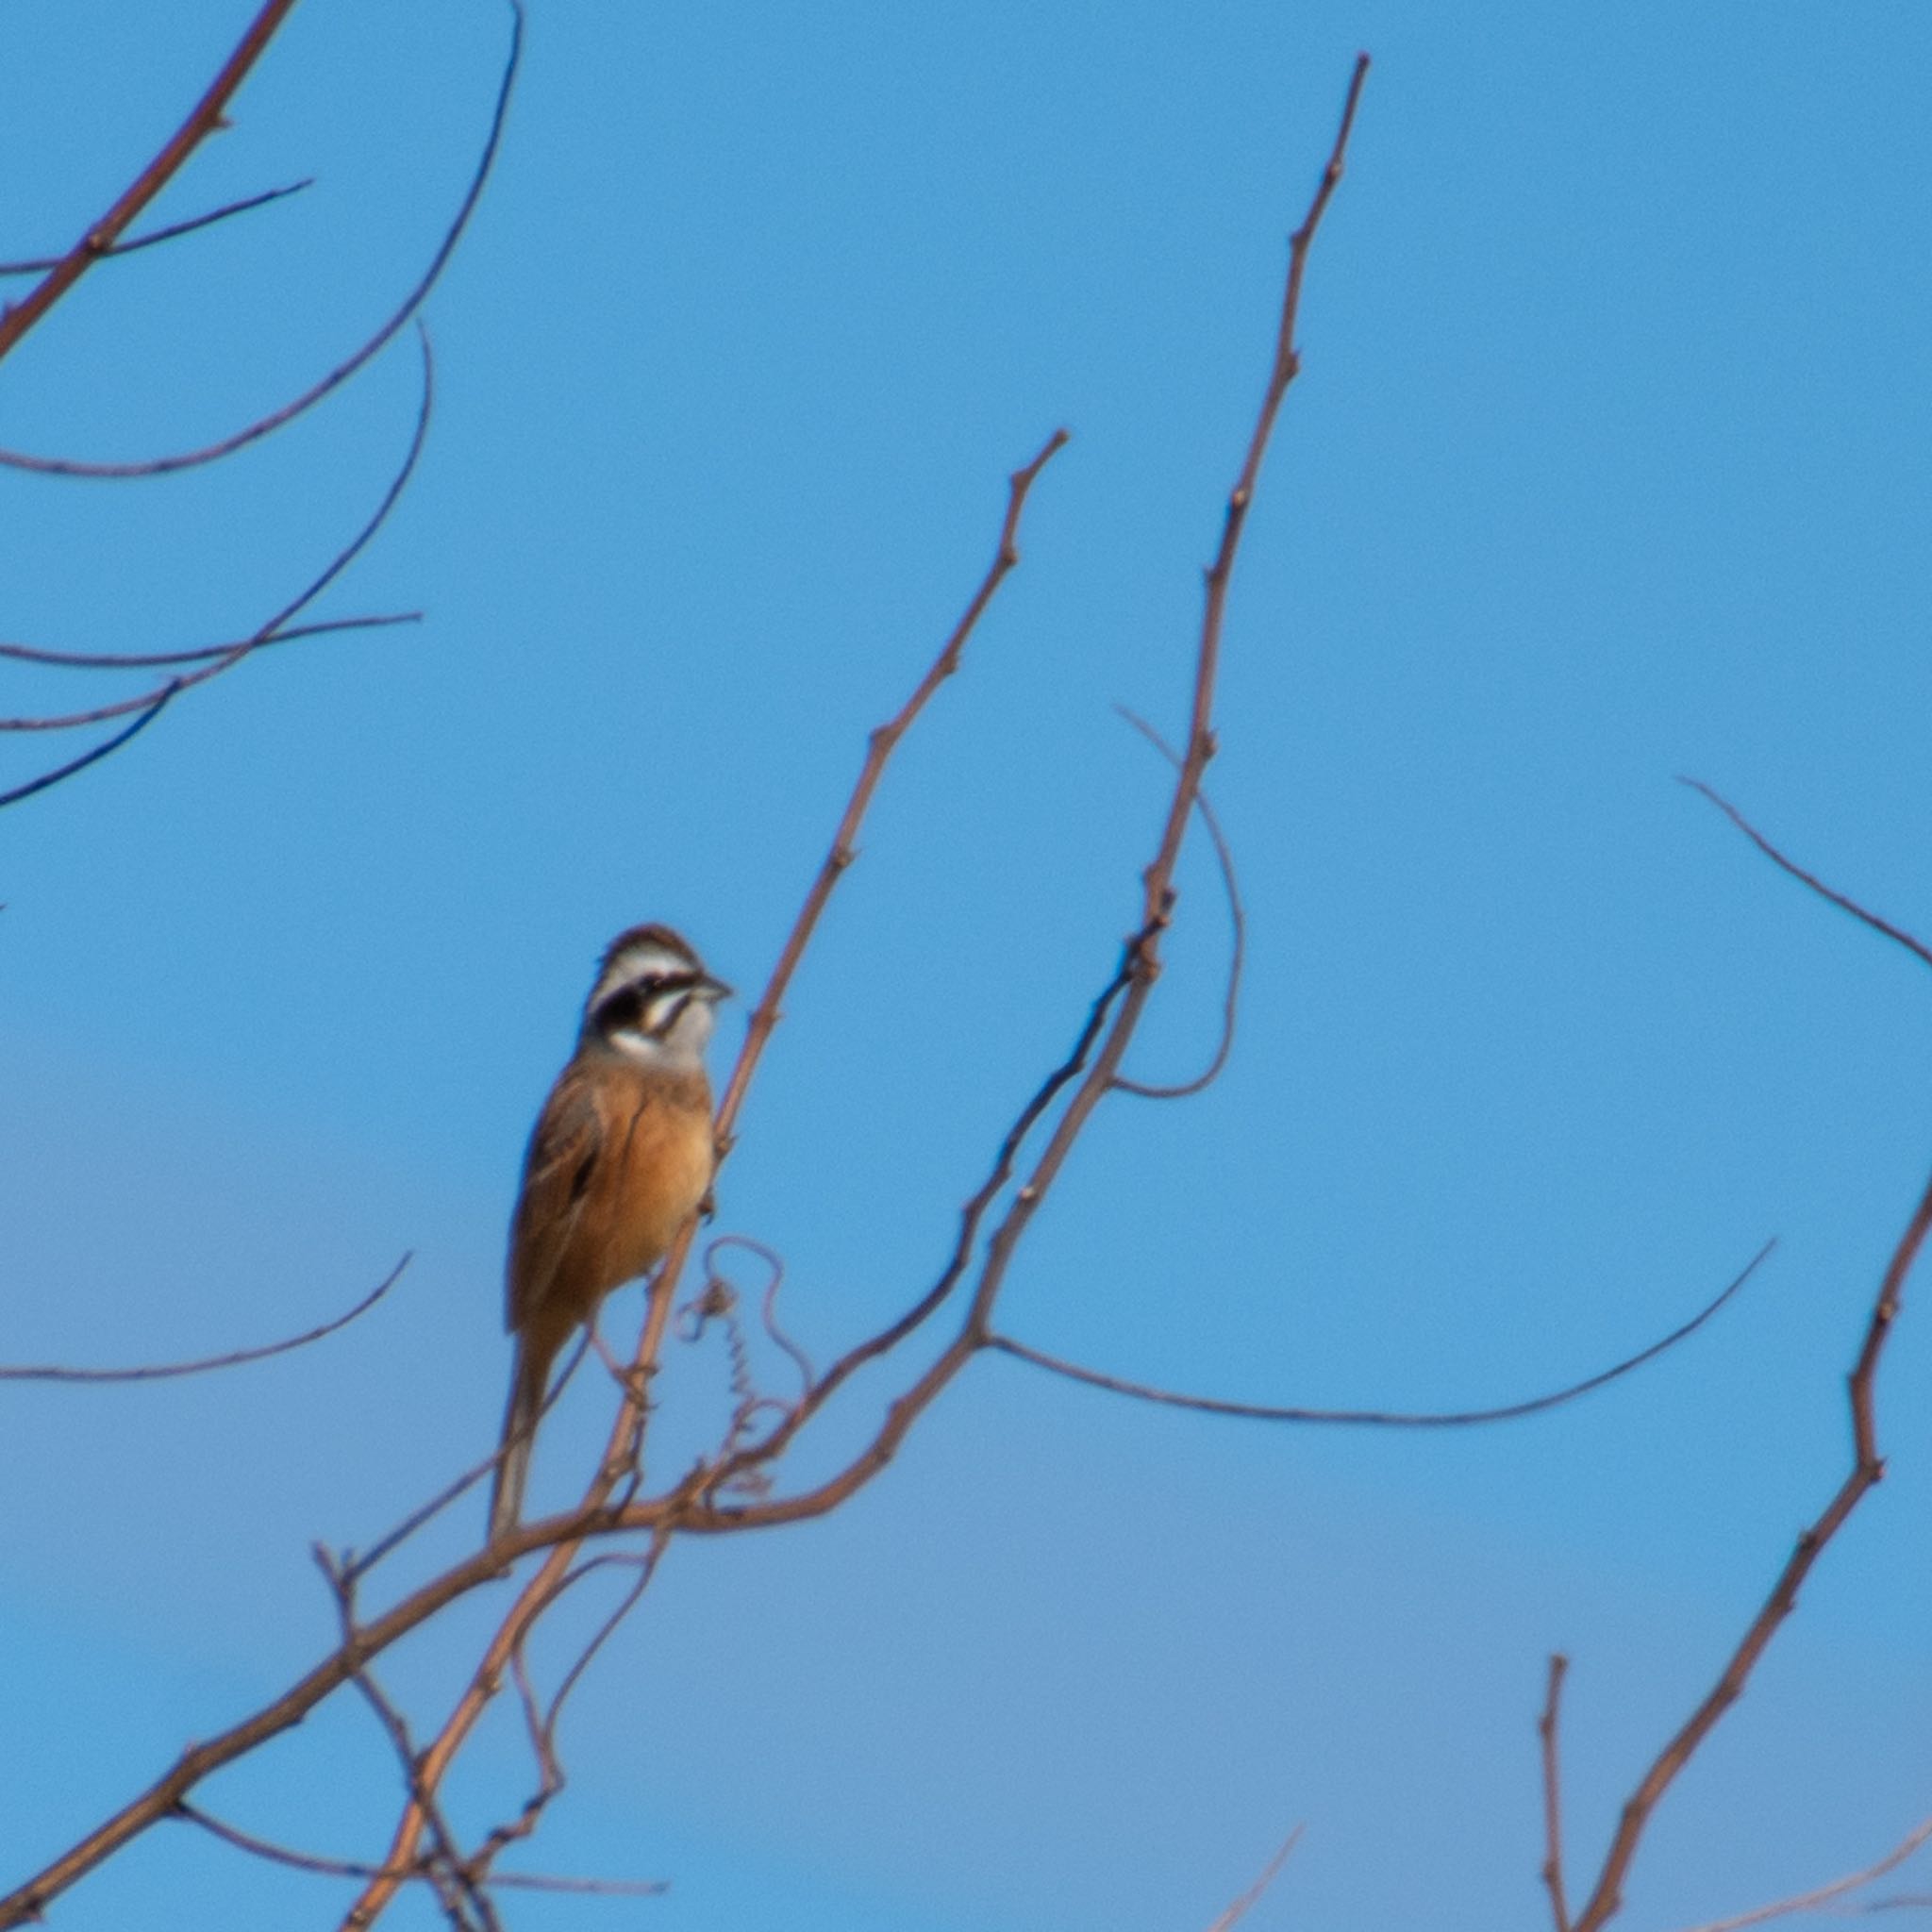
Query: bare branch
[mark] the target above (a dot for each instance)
(202, 122)
(883, 742)
(1230, 1001)
(108, 746)
(1916, 947)
(1380, 1418)
(200, 654)
(355, 1565)
(1250, 1898)
(1553, 1791)
(349, 1867)
(277, 419)
(1827, 1894)
(685, 1507)
(170, 233)
(224, 660)
(1865, 1472)
(160, 1371)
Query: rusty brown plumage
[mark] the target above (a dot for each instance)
(620, 1158)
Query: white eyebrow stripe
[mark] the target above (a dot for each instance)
(638, 962)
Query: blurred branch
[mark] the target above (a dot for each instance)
(1250, 1898)
(1553, 1791)
(1829, 1895)
(373, 345)
(170, 233)
(159, 1371)
(1866, 1468)
(100, 239)
(1380, 1418)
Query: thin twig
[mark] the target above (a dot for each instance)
(48, 779)
(1827, 1894)
(159, 1372)
(1230, 1000)
(1379, 1417)
(350, 1868)
(226, 660)
(1830, 895)
(149, 661)
(1866, 1469)
(1250, 1898)
(202, 122)
(372, 346)
(880, 747)
(355, 1565)
(134, 244)
(1551, 1738)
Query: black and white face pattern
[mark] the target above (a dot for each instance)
(653, 1003)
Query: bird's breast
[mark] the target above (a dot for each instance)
(656, 1166)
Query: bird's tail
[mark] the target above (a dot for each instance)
(526, 1387)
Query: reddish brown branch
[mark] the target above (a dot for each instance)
(884, 741)
(1252, 1897)
(202, 122)
(1379, 1417)
(1550, 1740)
(172, 232)
(372, 346)
(685, 1507)
(1866, 1468)
(621, 1462)
(159, 1371)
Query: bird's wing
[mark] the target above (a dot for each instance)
(566, 1145)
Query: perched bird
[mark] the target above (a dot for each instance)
(619, 1160)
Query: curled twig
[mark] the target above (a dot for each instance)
(1230, 999)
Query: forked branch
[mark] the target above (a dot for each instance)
(99, 241)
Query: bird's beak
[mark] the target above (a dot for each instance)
(711, 990)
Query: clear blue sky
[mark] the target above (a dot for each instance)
(1610, 463)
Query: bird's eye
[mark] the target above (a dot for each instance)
(620, 1010)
